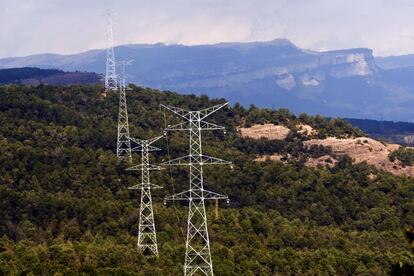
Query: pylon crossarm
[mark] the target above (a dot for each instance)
(179, 111)
(144, 145)
(208, 111)
(180, 196)
(192, 194)
(140, 167)
(137, 141)
(209, 195)
(192, 159)
(153, 140)
(210, 126)
(180, 126)
(209, 160)
(186, 126)
(141, 148)
(184, 161)
(143, 186)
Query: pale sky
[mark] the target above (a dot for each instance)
(71, 26)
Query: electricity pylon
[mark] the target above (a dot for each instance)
(147, 237)
(198, 255)
(111, 82)
(123, 148)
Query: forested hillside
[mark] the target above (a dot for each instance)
(65, 207)
(36, 76)
(394, 132)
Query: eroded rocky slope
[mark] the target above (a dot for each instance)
(359, 149)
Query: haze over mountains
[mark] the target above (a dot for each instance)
(344, 83)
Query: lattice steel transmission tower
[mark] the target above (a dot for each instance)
(123, 148)
(111, 81)
(147, 237)
(198, 255)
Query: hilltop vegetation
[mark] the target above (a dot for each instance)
(405, 155)
(17, 74)
(36, 76)
(393, 132)
(65, 206)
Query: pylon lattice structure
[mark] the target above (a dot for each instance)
(111, 81)
(147, 237)
(123, 148)
(198, 255)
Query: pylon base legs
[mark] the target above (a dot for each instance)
(198, 270)
(197, 255)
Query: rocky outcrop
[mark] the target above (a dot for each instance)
(306, 129)
(364, 149)
(360, 149)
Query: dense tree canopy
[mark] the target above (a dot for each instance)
(65, 207)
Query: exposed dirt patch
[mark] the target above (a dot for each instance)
(268, 131)
(366, 149)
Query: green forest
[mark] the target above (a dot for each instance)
(65, 208)
(15, 75)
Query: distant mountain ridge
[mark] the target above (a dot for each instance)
(345, 83)
(394, 62)
(36, 76)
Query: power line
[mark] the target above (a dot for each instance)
(171, 178)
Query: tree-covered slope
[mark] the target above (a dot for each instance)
(36, 76)
(65, 206)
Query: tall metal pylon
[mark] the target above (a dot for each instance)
(147, 237)
(197, 255)
(111, 82)
(123, 148)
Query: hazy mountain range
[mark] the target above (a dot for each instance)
(345, 83)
